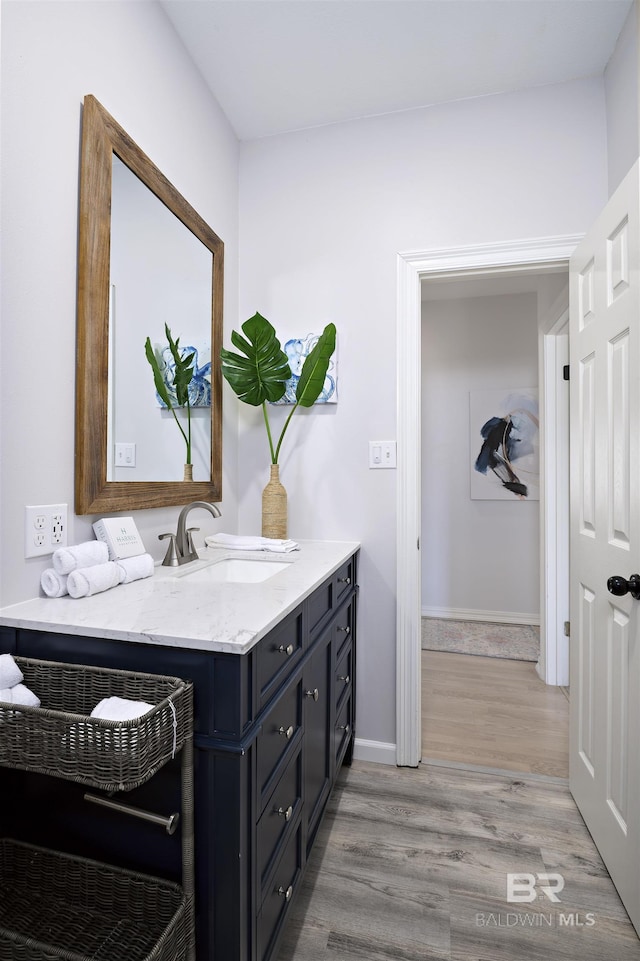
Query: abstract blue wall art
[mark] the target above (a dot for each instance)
(200, 386)
(297, 350)
(505, 462)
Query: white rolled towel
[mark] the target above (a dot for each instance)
(10, 673)
(240, 542)
(19, 694)
(93, 580)
(88, 554)
(135, 568)
(120, 709)
(53, 584)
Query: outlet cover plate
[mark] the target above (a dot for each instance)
(45, 529)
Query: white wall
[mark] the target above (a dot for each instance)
(479, 557)
(128, 56)
(323, 215)
(621, 79)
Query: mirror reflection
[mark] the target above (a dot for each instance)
(160, 273)
(146, 259)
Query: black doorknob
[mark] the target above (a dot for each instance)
(620, 586)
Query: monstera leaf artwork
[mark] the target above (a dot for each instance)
(259, 374)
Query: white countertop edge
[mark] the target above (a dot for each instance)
(272, 601)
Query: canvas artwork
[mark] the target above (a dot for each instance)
(297, 350)
(200, 385)
(504, 433)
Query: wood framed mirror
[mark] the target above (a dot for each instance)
(114, 320)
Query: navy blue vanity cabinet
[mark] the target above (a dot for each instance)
(272, 728)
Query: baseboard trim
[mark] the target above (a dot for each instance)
(495, 617)
(379, 751)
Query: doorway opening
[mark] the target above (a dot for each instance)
(481, 578)
(544, 256)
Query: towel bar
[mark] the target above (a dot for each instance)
(169, 823)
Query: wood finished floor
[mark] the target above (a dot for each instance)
(493, 712)
(411, 864)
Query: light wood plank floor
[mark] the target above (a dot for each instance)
(494, 713)
(411, 865)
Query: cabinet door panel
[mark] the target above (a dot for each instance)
(317, 731)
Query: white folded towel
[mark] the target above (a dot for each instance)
(239, 542)
(19, 694)
(93, 580)
(53, 584)
(10, 673)
(67, 559)
(134, 568)
(120, 709)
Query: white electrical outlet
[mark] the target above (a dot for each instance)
(45, 529)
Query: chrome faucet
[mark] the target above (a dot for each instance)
(181, 549)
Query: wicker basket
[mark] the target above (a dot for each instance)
(55, 906)
(59, 738)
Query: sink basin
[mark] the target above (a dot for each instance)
(235, 570)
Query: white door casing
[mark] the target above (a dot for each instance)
(605, 536)
(412, 268)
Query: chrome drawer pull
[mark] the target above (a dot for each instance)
(286, 813)
(314, 694)
(344, 580)
(345, 678)
(287, 731)
(345, 630)
(288, 650)
(285, 894)
(345, 728)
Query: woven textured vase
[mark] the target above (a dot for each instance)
(188, 472)
(274, 507)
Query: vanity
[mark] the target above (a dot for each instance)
(271, 653)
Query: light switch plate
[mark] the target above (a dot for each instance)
(382, 454)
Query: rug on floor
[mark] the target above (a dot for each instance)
(518, 642)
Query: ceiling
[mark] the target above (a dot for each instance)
(280, 65)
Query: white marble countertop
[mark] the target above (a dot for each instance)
(174, 608)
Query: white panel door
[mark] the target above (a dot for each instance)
(605, 537)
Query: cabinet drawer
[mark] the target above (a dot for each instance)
(277, 656)
(328, 596)
(281, 732)
(345, 577)
(344, 674)
(343, 729)
(279, 817)
(344, 626)
(279, 894)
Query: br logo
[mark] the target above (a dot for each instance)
(523, 888)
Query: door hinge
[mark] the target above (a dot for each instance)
(567, 628)
(565, 372)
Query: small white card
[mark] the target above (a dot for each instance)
(121, 536)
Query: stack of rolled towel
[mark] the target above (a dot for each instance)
(12, 690)
(86, 569)
(242, 542)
